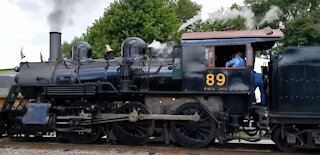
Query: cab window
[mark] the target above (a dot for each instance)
(218, 56)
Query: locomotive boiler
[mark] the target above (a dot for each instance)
(187, 96)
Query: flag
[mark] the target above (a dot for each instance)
(41, 57)
(21, 53)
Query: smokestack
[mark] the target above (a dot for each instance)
(55, 47)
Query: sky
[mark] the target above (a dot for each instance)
(24, 25)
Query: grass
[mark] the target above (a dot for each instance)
(6, 71)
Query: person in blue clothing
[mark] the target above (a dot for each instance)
(237, 61)
(257, 81)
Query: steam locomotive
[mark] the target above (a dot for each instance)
(186, 96)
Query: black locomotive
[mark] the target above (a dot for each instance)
(185, 96)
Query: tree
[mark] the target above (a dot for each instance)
(185, 9)
(147, 19)
(290, 8)
(303, 30)
(66, 48)
(300, 20)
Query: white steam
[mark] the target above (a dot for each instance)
(223, 14)
(161, 49)
(157, 45)
(190, 22)
(271, 15)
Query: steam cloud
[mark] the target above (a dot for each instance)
(190, 22)
(224, 14)
(161, 49)
(234, 13)
(61, 13)
(271, 15)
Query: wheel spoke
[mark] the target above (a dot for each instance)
(202, 134)
(133, 133)
(204, 125)
(141, 128)
(193, 134)
(180, 123)
(81, 137)
(207, 131)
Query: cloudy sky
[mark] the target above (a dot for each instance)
(24, 24)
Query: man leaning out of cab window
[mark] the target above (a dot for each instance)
(237, 61)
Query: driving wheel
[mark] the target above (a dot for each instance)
(133, 133)
(193, 134)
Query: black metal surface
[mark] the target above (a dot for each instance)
(55, 47)
(133, 47)
(37, 113)
(296, 80)
(37, 117)
(82, 51)
(193, 68)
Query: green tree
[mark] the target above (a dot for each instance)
(300, 20)
(147, 19)
(66, 48)
(303, 30)
(185, 9)
(290, 8)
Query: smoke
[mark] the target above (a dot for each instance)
(61, 14)
(223, 14)
(190, 22)
(271, 15)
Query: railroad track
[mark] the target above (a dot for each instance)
(49, 146)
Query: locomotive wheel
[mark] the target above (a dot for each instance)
(281, 142)
(192, 134)
(133, 133)
(82, 137)
(16, 133)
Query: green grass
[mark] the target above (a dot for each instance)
(6, 71)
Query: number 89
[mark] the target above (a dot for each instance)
(220, 78)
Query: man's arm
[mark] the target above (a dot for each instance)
(231, 62)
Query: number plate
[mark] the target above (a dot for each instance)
(215, 81)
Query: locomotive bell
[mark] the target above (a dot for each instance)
(133, 47)
(82, 51)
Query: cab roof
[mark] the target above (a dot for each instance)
(262, 33)
(259, 39)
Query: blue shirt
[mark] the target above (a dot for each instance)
(236, 62)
